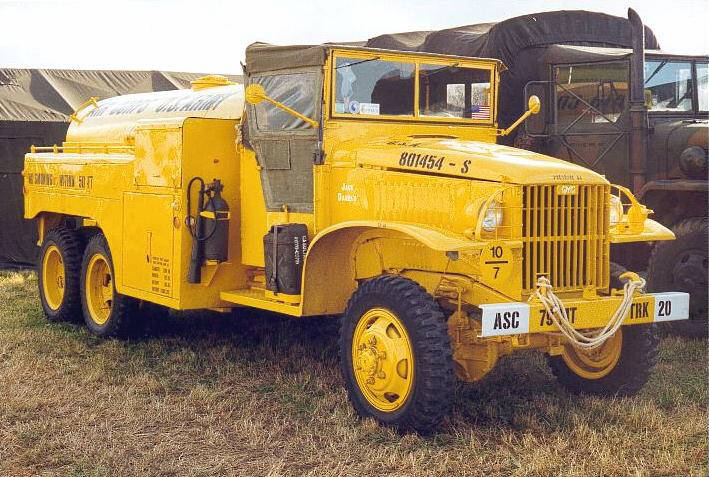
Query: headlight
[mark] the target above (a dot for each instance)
(493, 217)
(616, 213)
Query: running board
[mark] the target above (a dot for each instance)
(256, 298)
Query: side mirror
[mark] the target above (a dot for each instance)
(255, 93)
(648, 98)
(534, 105)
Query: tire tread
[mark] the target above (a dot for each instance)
(434, 395)
(70, 246)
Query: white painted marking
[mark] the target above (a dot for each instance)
(671, 306)
(505, 319)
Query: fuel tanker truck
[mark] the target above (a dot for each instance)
(365, 184)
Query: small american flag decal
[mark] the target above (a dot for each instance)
(480, 112)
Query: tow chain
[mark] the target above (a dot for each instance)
(591, 339)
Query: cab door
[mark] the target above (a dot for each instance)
(590, 120)
(286, 147)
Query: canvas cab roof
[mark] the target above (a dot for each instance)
(572, 54)
(262, 57)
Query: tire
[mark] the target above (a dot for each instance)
(638, 355)
(681, 265)
(106, 312)
(58, 269)
(412, 333)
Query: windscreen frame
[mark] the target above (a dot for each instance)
(416, 60)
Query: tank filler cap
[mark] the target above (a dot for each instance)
(210, 81)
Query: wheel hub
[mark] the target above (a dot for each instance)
(595, 363)
(53, 277)
(99, 289)
(382, 358)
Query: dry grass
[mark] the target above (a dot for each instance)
(261, 395)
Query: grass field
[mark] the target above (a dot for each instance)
(261, 395)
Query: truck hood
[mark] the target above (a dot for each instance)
(471, 159)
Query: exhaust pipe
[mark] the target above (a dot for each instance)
(638, 110)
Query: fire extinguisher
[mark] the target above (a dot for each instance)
(209, 227)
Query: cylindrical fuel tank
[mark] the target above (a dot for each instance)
(113, 120)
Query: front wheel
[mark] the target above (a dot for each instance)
(395, 354)
(106, 312)
(621, 366)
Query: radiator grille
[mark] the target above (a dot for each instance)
(565, 236)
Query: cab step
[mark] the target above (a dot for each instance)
(257, 298)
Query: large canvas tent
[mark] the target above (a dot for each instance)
(35, 105)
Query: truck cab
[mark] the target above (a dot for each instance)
(361, 183)
(588, 116)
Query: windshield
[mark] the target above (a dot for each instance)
(374, 87)
(453, 92)
(669, 85)
(379, 87)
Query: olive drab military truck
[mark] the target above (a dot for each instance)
(642, 117)
(355, 182)
(613, 102)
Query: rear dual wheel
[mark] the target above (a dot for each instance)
(106, 312)
(58, 271)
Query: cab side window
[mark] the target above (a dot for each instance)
(604, 86)
(286, 146)
(298, 91)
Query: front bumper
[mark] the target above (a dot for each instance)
(499, 319)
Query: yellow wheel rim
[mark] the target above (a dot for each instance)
(595, 364)
(53, 277)
(383, 360)
(99, 289)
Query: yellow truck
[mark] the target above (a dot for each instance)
(361, 183)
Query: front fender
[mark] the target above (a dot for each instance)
(329, 272)
(651, 231)
(635, 226)
(435, 239)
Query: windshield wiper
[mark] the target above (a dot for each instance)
(438, 70)
(357, 63)
(657, 70)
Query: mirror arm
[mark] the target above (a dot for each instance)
(295, 113)
(505, 132)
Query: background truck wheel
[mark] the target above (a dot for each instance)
(620, 367)
(395, 354)
(58, 275)
(681, 265)
(106, 312)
